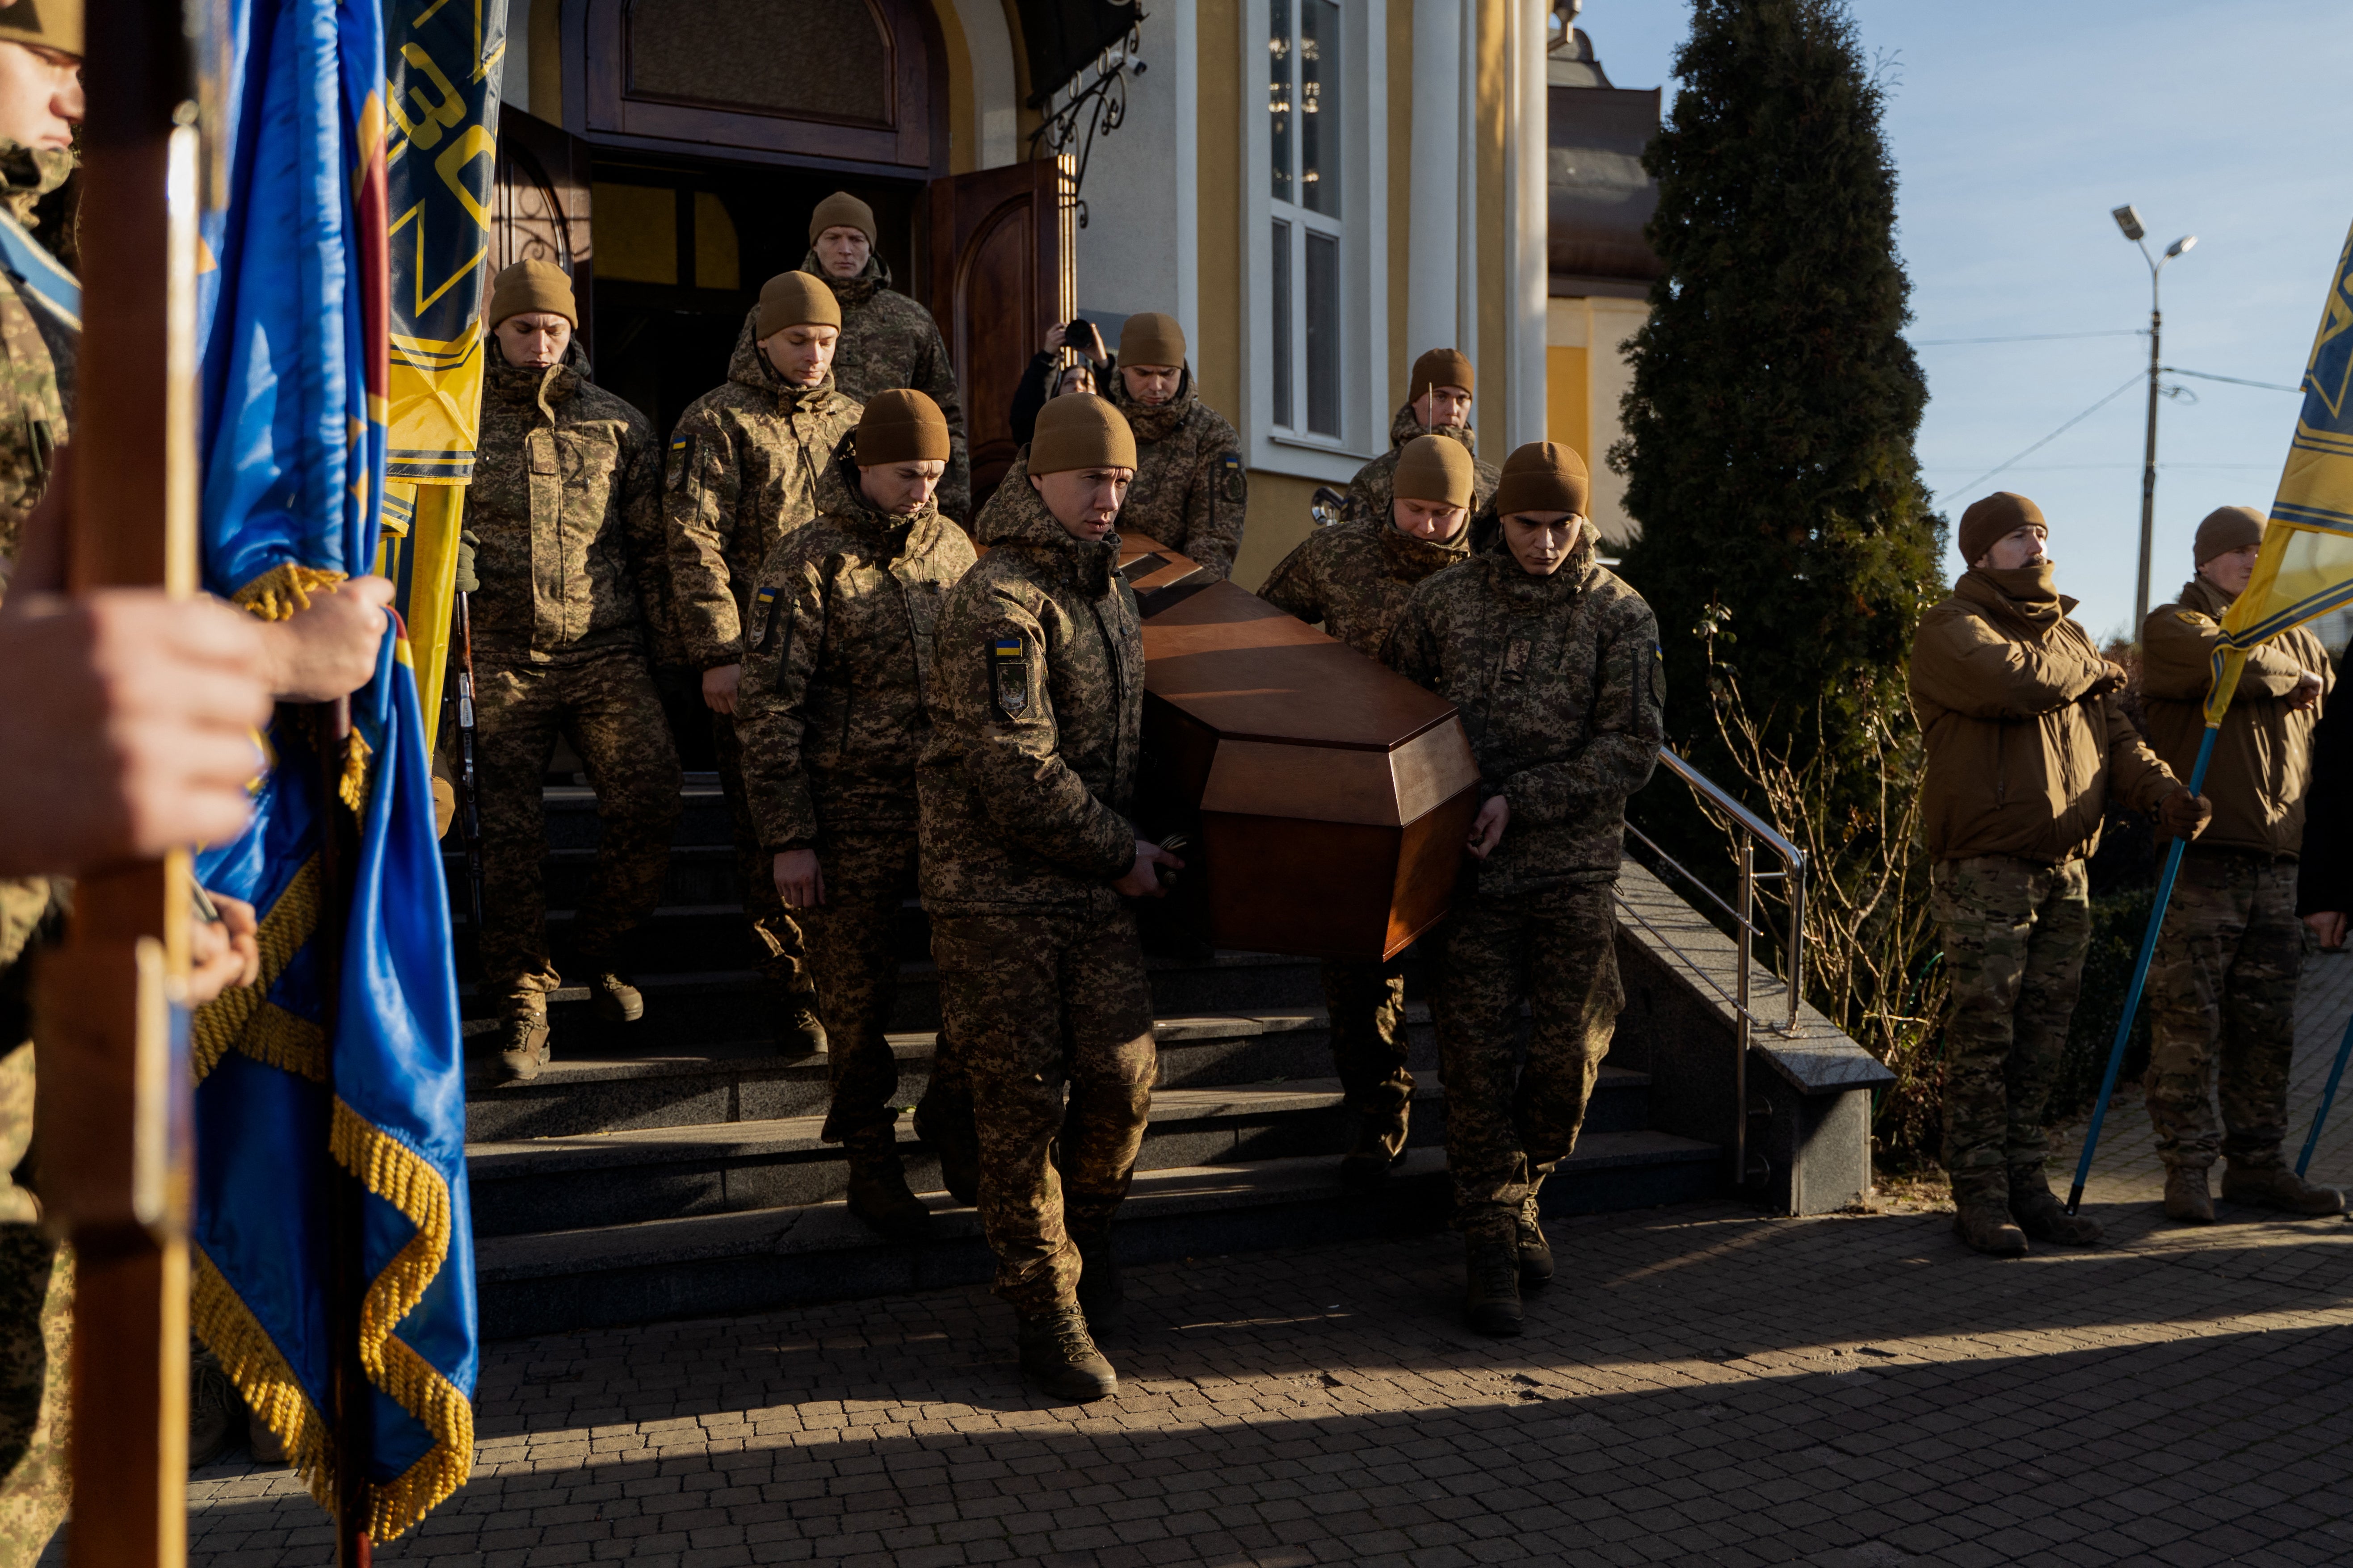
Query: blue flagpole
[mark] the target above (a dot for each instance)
(2139, 979)
(2327, 1099)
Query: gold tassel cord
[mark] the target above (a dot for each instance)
(227, 1021)
(263, 1379)
(284, 589)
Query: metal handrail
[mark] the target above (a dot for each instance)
(1754, 830)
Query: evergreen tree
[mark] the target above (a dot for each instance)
(1787, 539)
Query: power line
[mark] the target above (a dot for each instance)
(2134, 381)
(2029, 337)
(2233, 380)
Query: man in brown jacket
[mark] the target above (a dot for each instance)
(2023, 743)
(744, 467)
(2221, 991)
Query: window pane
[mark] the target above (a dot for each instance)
(1319, 106)
(1323, 333)
(1278, 94)
(1283, 370)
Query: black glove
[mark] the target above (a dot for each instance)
(466, 544)
(2185, 816)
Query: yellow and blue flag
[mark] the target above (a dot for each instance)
(341, 1058)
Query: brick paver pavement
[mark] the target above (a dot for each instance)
(1701, 1386)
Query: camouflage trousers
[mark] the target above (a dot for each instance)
(36, 1336)
(1037, 1002)
(1367, 1002)
(2222, 996)
(2015, 935)
(853, 955)
(780, 953)
(1510, 1119)
(607, 706)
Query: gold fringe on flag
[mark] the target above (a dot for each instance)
(264, 1381)
(238, 1018)
(284, 589)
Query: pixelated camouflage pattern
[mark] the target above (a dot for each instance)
(2261, 772)
(2020, 757)
(566, 506)
(604, 705)
(1374, 485)
(1036, 1002)
(2222, 1004)
(1027, 782)
(37, 363)
(888, 340)
(1508, 1123)
(779, 952)
(853, 957)
(2015, 933)
(1354, 578)
(744, 467)
(32, 914)
(1562, 693)
(1191, 491)
(1365, 1002)
(35, 1390)
(832, 712)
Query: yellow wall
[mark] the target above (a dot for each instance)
(546, 60)
(963, 116)
(1495, 78)
(1567, 409)
(1400, 108)
(1279, 520)
(1218, 149)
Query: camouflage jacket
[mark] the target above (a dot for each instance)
(1028, 778)
(744, 467)
(1354, 578)
(1563, 695)
(1191, 492)
(889, 340)
(1374, 489)
(565, 504)
(832, 712)
(37, 363)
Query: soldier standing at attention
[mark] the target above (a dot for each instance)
(2022, 741)
(832, 714)
(1354, 579)
(1028, 851)
(1438, 403)
(2221, 990)
(568, 549)
(743, 468)
(887, 340)
(1555, 665)
(1190, 491)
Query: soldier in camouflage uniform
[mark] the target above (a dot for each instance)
(1354, 579)
(887, 338)
(743, 468)
(832, 715)
(1438, 403)
(1554, 663)
(569, 553)
(1190, 493)
(2221, 990)
(1029, 849)
(2023, 746)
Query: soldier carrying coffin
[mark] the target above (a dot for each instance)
(1191, 492)
(1554, 663)
(1438, 403)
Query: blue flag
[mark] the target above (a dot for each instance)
(345, 1059)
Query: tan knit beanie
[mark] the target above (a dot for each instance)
(1080, 431)
(1440, 367)
(1542, 476)
(1152, 338)
(1999, 515)
(2227, 528)
(1436, 469)
(533, 286)
(52, 24)
(901, 426)
(796, 300)
(842, 210)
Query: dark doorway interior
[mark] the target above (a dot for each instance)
(682, 251)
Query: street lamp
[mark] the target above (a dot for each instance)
(2129, 221)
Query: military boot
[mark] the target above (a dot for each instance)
(617, 1000)
(215, 1412)
(1983, 1220)
(2040, 1215)
(2277, 1187)
(1380, 1141)
(880, 1196)
(1492, 1268)
(522, 1047)
(2186, 1197)
(1536, 1252)
(1103, 1297)
(792, 1015)
(1057, 1351)
(947, 1128)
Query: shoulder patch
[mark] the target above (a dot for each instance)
(682, 448)
(1231, 476)
(1008, 677)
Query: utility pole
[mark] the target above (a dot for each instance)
(2128, 220)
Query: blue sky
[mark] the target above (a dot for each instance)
(2016, 128)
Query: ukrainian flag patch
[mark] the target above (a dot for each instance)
(1008, 677)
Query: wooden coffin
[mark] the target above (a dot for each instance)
(1326, 798)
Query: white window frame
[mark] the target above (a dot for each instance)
(1365, 410)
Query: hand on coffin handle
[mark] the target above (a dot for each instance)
(799, 880)
(1487, 827)
(1142, 880)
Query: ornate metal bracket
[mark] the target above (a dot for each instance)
(1097, 109)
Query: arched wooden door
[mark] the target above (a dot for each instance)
(542, 206)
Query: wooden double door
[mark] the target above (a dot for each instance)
(667, 255)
